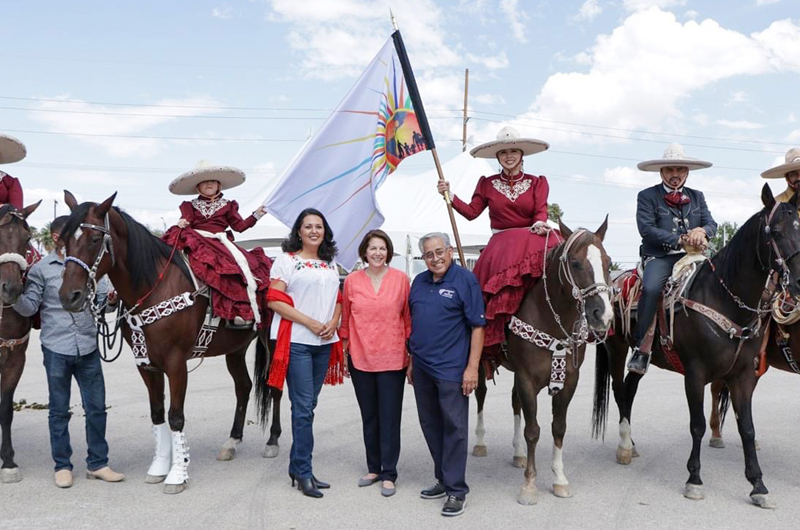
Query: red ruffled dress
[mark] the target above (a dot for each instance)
(10, 191)
(513, 259)
(211, 261)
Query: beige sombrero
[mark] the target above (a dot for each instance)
(11, 149)
(186, 184)
(508, 138)
(792, 164)
(673, 157)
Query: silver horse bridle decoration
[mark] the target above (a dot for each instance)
(107, 247)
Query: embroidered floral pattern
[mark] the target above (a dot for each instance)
(209, 208)
(300, 264)
(512, 192)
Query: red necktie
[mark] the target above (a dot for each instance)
(677, 199)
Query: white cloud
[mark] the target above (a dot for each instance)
(338, 39)
(488, 99)
(740, 124)
(492, 62)
(642, 5)
(766, 2)
(640, 73)
(691, 14)
(74, 116)
(588, 11)
(515, 18)
(225, 12)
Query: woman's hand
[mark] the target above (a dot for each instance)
(260, 212)
(328, 329)
(183, 223)
(409, 371)
(315, 326)
(540, 228)
(443, 187)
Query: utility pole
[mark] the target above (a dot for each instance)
(55, 205)
(466, 118)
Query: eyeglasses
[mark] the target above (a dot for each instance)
(438, 253)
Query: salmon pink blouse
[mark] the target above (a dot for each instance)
(376, 324)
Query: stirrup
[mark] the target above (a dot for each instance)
(239, 323)
(639, 362)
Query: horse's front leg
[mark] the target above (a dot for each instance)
(179, 472)
(741, 397)
(694, 387)
(11, 373)
(480, 399)
(527, 395)
(520, 456)
(237, 367)
(561, 403)
(162, 459)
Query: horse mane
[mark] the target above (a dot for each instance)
(6, 208)
(145, 250)
(727, 260)
(585, 239)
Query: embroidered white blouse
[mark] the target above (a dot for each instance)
(314, 288)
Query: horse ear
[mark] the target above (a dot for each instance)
(30, 209)
(766, 196)
(601, 232)
(69, 198)
(105, 206)
(564, 229)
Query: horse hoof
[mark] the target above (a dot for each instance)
(694, 492)
(154, 479)
(172, 489)
(762, 500)
(10, 475)
(271, 451)
(479, 450)
(716, 443)
(520, 462)
(634, 452)
(226, 454)
(562, 491)
(624, 456)
(527, 496)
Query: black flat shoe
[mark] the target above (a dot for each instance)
(319, 484)
(309, 489)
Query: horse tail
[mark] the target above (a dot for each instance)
(260, 374)
(724, 397)
(602, 385)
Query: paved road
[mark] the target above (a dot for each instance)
(253, 492)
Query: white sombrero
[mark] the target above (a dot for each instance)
(673, 157)
(508, 138)
(11, 149)
(186, 184)
(792, 164)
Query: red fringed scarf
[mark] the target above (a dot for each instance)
(280, 359)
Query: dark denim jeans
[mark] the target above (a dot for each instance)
(307, 368)
(89, 374)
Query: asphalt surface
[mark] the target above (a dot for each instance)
(254, 492)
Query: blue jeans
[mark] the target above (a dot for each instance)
(88, 373)
(307, 368)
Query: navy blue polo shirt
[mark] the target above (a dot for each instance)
(443, 314)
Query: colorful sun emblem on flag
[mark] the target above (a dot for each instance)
(399, 134)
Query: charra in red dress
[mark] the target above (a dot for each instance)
(212, 262)
(514, 256)
(10, 191)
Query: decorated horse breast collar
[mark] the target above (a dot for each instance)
(209, 208)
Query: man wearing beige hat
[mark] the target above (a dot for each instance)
(11, 150)
(789, 170)
(670, 217)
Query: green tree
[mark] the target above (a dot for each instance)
(554, 212)
(725, 232)
(43, 237)
(615, 266)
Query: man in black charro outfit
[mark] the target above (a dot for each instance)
(670, 217)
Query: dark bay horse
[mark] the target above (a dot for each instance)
(734, 284)
(101, 239)
(548, 337)
(15, 236)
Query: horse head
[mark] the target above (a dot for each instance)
(782, 228)
(583, 267)
(15, 237)
(89, 250)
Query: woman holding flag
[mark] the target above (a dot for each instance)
(517, 204)
(304, 293)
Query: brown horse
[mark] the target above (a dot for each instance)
(157, 287)
(15, 236)
(548, 337)
(732, 284)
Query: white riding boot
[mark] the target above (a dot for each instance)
(179, 473)
(162, 461)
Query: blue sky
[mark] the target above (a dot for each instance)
(607, 84)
